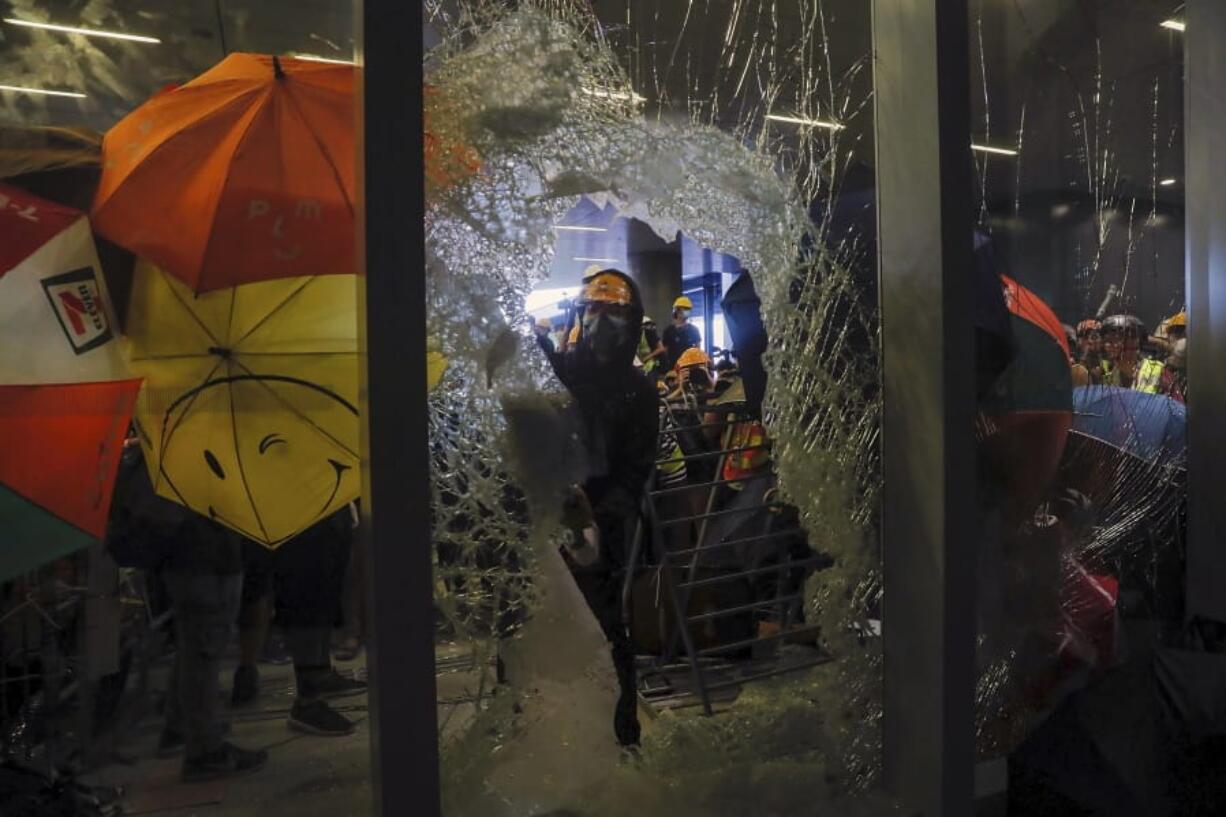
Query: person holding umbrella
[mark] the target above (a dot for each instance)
(199, 562)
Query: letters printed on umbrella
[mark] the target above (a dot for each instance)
(244, 174)
(66, 395)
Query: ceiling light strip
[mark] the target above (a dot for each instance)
(796, 120)
(41, 91)
(994, 151)
(88, 32)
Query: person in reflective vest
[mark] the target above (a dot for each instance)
(1149, 376)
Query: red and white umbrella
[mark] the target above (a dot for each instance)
(66, 396)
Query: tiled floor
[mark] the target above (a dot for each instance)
(306, 776)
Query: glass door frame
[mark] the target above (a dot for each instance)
(922, 101)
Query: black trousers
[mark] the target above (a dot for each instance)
(601, 587)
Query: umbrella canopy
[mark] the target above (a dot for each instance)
(1152, 427)
(66, 396)
(249, 412)
(244, 174)
(1030, 403)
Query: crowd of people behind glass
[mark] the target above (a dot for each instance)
(1120, 351)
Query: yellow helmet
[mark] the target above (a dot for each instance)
(607, 288)
(683, 303)
(693, 357)
(1180, 318)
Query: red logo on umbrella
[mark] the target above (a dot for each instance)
(75, 297)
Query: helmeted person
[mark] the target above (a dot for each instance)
(651, 351)
(1122, 336)
(681, 334)
(619, 410)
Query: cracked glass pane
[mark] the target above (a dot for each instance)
(719, 158)
(1077, 138)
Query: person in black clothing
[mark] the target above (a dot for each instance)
(541, 329)
(306, 578)
(619, 411)
(199, 562)
(681, 334)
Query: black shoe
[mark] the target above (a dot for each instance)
(228, 761)
(333, 685)
(246, 685)
(317, 718)
(171, 743)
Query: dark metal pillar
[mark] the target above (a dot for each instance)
(396, 514)
(1204, 156)
(925, 198)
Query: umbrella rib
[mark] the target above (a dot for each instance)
(323, 150)
(298, 413)
(241, 472)
(195, 355)
(296, 354)
(272, 312)
(190, 311)
(169, 431)
(252, 115)
(230, 319)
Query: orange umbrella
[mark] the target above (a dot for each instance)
(244, 174)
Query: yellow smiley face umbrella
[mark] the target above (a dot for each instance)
(249, 412)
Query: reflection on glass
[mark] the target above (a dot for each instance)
(1081, 323)
(655, 543)
(180, 573)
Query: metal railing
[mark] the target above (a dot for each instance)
(767, 548)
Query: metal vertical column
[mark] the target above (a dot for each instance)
(390, 204)
(1205, 204)
(925, 195)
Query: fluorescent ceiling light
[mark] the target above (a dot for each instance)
(629, 96)
(578, 229)
(1167, 182)
(88, 32)
(1173, 25)
(996, 151)
(314, 58)
(40, 91)
(795, 120)
(598, 260)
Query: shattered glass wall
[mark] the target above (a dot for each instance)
(1077, 134)
(739, 127)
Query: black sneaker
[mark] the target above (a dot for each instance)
(172, 742)
(333, 685)
(228, 761)
(246, 685)
(317, 718)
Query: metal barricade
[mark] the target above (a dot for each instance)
(761, 532)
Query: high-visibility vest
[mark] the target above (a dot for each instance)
(749, 435)
(1149, 376)
(645, 350)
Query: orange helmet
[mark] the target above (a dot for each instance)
(607, 287)
(693, 357)
(1087, 326)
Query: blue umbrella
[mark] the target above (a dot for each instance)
(1152, 427)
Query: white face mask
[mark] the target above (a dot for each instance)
(682, 314)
